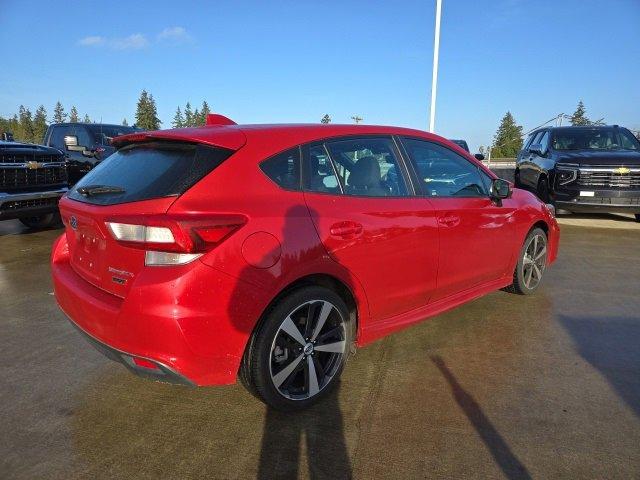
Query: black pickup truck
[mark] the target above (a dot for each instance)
(32, 180)
(84, 144)
(582, 169)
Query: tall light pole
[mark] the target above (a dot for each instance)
(434, 78)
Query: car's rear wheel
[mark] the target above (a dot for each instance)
(298, 352)
(40, 221)
(532, 263)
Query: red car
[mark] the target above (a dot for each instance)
(267, 252)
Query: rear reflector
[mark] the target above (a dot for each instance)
(141, 362)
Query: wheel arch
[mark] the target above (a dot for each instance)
(326, 280)
(544, 226)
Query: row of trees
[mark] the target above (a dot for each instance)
(507, 141)
(191, 118)
(147, 114)
(31, 127)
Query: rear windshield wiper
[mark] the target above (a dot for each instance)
(90, 190)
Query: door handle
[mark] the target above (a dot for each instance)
(449, 220)
(346, 230)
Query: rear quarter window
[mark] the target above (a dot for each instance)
(149, 170)
(284, 169)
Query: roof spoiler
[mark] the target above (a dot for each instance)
(217, 119)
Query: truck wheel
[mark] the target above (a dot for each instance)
(543, 190)
(516, 179)
(40, 221)
(532, 262)
(297, 354)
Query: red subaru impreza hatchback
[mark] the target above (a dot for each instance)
(266, 252)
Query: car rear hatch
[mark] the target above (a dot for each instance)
(116, 214)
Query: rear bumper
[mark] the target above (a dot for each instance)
(161, 373)
(179, 318)
(29, 204)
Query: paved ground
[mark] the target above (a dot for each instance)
(546, 386)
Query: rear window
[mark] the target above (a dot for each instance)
(149, 170)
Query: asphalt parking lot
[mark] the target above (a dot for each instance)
(546, 386)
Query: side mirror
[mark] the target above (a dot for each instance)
(500, 189)
(536, 149)
(479, 156)
(70, 141)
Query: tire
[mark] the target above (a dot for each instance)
(516, 179)
(284, 355)
(543, 190)
(41, 221)
(638, 217)
(531, 265)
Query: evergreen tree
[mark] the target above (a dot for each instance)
(188, 115)
(58, 114)
(326, 119)
(196, 119)
(579, 117)
(26, 124)
(73, 115)
(147, 113)
(508, 139)
(124, 122)
(204, 111)
(178, 119)
(40, 124)
(86, 119)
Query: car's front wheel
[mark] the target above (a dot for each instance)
(532, 263)
(543, 190)
(299, 350)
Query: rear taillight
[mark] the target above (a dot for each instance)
(173, 240)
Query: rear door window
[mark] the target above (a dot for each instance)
(368, 167)
(320, 175)
(149, 170)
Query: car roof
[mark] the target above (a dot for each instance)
(273, 136)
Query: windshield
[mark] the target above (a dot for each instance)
(595, 139)
(104, 133)
(145, 171)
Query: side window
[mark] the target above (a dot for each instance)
(442, 172)
(319, 172)
(536, 138)
(57, 138)
(284, 169)
(527, 142)
(627, 141)
(368, 167)
(544, 141)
